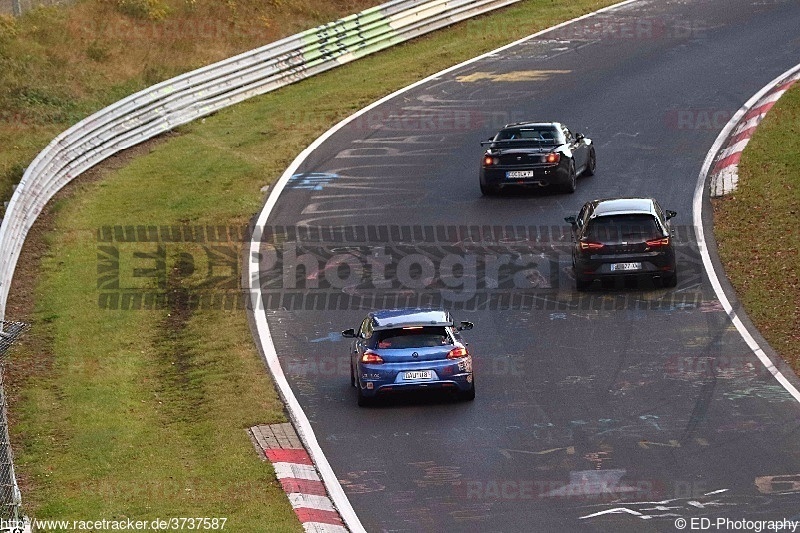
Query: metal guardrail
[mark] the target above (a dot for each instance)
(201, 92)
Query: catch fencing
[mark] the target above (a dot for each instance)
(10, 497)
(201, 92)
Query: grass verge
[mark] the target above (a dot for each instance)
(60, 64)
(756, 228)
(135, 414)
(142, 413)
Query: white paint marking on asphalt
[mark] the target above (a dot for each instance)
(616, 510)
(298, 416)
(697, 215)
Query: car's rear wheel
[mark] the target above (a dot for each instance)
(488, 190)
(591, 165)
(582, 285)
(572, 184)
(670, 281)
(363, 401)
(468, 395)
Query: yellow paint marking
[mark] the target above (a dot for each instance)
(570, 451)
(782, 484)
(518, 75)
(545, 452)
(671, 444)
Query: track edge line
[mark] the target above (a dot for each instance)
(698, 205)
(296, 413)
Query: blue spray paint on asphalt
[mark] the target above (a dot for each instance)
(314, 181)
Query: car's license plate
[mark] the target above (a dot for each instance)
(418, 374)
(626, 266)
(514, 174)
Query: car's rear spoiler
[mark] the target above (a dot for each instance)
(514, 141)
(411, 325)
(461, 326)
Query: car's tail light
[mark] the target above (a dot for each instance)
(553, 158)
(489, 161)
(588, 245)
(656, 243)
(371, 357)
(457, 353)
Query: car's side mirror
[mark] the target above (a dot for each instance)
(465, 325)
(671, 214)
(571, 220)
(579, 137)
(349, 333)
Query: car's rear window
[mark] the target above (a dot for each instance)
(411, 337)
(545, 134)
(623, 228)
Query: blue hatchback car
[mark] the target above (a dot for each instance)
(409, 349)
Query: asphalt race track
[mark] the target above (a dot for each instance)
(619, 410)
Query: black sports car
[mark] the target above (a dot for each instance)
(536, 154)
(616, 237)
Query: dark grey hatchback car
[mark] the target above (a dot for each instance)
(615, 237)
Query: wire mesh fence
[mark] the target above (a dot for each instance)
(10, 498)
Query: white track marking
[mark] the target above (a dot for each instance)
(697, 215)
(295, 471)
(310, 501)
(296, 412)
